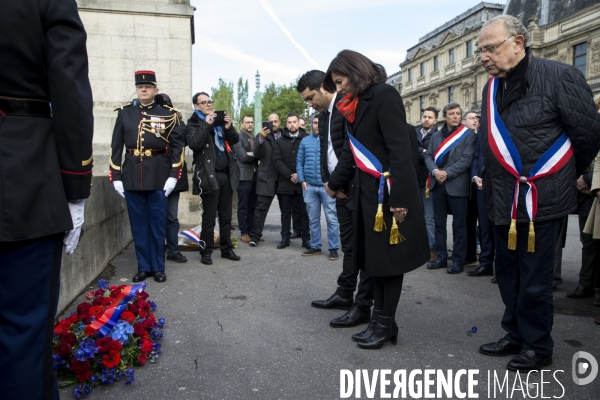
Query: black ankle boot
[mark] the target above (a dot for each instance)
(357, 337)
(385, 329)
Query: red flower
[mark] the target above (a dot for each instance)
(68, 338)
(133, 309)
(139, 330)
(148, 323)
(142, 359)
(127, 316)
(84, 376)
(79, 366)
(115, 346)
(86, 319)
(142, 295)
(89, 331)
(104, 344)
(62, 327)
(73, 318)
(63, 350)
(107, 301)
(147, 347)
(83, 308)
(111, 360)
(89, 295)
(96, 311)
(97, 301)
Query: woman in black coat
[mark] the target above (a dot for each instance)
(375, 117)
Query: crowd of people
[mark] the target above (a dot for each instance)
(386, 188)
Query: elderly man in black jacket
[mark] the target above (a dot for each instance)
(532, 109)
(289, 188)
(216, 174)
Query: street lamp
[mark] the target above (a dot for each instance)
(257, 106)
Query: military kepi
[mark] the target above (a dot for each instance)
(145, 77)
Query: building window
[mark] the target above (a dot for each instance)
(410, 75)
(450, 94)
(451, 56)
(421, 103)
(435, 63)
(422, 69)
(580, 57)
(469, 48)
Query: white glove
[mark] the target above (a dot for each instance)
(72, 237)
(169, 186)
(119, 188)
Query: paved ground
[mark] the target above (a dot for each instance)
(270, 344)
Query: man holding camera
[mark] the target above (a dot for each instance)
(216, 173)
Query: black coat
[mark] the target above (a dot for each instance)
(380, 126)
(183, 185)
(284, 158)
(247, 164)
(423, 172)
(43, 161)
(145, 172)
(548, 99)
(200, 138)
(266, 174)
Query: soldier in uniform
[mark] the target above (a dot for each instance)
(153, 141)
(46, 126)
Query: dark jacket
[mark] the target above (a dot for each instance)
(44, 160)
(380, 126)
(248, 164)
(458, 165)
(266, 175)
(284, 158)
(414, 146)
(338, 135)
(200, 139)
(423, 141)
(544, 99)
(183, 184)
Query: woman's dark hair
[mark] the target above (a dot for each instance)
(361, 72)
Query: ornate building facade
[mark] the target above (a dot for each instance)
(442, 67)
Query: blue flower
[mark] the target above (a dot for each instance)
(107, 375)
(89, 348)
(153, 306)
(130, 378)
(77, 391)
(161, 322)
(157, 333)
(474, 329)
(122, 331)
(102, 284)
(58, 362)
(80, 355)
(87, 389)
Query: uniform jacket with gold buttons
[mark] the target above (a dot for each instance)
(153, 141)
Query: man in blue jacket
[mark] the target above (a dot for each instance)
(309, 174)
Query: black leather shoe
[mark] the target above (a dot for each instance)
(177, 257)
(230, 255)
(283, 244)
(206, 259)
(306, 245)
(354, 317)
(385, 329)
(481, 271)
(494, 280)
(500, 348)
(335, 301)
(581, 292)
(455, 270)
(437, 265)
(160, 277)
(357, 337)
(141, 276)
(529, 360)
(296, 235)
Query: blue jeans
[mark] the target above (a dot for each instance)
(429, 220)
(172, 223)
(315, 197)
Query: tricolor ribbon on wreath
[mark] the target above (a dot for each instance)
(505, 151)
(111, 315)
(444, 148)
(368, 163)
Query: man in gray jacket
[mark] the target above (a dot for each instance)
(247, 187)
(448, 159)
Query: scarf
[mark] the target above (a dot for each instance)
(250, 137)
(219, 138)
(347, 106)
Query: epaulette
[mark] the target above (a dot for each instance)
(123, 106)
(170, 108)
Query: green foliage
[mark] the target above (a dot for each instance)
(222, 96)
(282, 100)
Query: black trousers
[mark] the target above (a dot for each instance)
(472, 224)
(525, 283)
(217, 203)
(263, 203)
(246, 205)
(296, 217)
(589, 275)
(287, 203)
(350, 271)
(387, 294)
(458, 206)
(486, 231)
(29, 288)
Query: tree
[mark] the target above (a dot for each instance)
(222, 96)
(282, 100)
(243, 106)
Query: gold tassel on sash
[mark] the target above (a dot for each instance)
(395, 236)
(512, 235)
(427, 192)
(531, 239)
(379, 223)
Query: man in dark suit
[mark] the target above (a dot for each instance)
(247, 187)
(332, 135)
(46, 126)
(449, 185)
(153, 164)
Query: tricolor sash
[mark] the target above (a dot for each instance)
(368, 163)
(505, 151)
(444, 148)
(111, 315)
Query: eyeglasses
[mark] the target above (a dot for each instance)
(490, 49)
(203, 103)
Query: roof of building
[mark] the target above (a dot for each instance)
(466, 21)
(546, 11)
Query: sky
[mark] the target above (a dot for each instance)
(282, 39)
